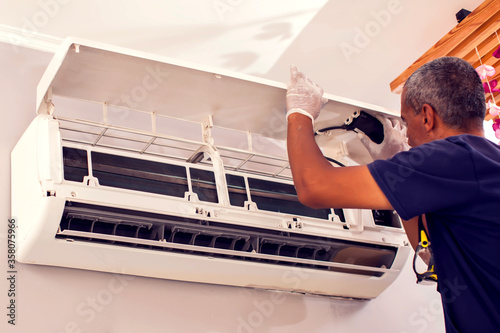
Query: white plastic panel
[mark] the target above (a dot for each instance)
(135, 80)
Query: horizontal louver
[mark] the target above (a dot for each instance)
(118, 227)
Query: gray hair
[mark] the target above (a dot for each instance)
(454, 90)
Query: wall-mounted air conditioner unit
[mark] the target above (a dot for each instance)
(138, 164)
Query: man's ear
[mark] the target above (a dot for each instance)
(429, 120)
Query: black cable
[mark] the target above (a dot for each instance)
(335, 161)
(361, 122)
(329, 129)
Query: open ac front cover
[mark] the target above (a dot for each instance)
(142, 165)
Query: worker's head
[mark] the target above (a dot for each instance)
(443, 97)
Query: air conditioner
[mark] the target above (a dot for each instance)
(138, 164)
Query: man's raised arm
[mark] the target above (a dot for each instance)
(318, 183)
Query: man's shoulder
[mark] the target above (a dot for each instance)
(469, 141)
(481, 150)
(459, 146)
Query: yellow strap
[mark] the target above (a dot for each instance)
(423, 239)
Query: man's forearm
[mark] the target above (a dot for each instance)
(411, 229)
(318, 183)
(305, 157)
(321, 185)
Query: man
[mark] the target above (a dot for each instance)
(451, 175)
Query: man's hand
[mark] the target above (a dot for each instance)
(303, 96)
(395, 140)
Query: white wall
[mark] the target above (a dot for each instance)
(50, 299)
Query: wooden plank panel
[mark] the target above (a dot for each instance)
(477, 36)
(485, 50)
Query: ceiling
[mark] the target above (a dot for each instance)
(353, 49)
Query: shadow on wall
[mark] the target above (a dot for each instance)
(231, 45)
(269, 310)
(242, 60)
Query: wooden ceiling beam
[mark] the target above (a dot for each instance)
(471, 32)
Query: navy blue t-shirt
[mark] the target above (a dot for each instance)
(456, 183)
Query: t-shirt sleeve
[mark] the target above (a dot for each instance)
(435, 176)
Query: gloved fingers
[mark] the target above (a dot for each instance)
(396, 125)
(313, 85)
(394, 140)
(386, 122)
(394, 122)
(390, 121)
(317, 87)
(301, 85)
(380, 117)
(320, 90)
(304, 94)
(324, 100)
(294, 75)
(401, 129)
(365, 140)
(404, 131)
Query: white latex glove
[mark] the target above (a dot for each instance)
(395, 140)
(303, 96)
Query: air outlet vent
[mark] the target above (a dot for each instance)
(117, 227)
